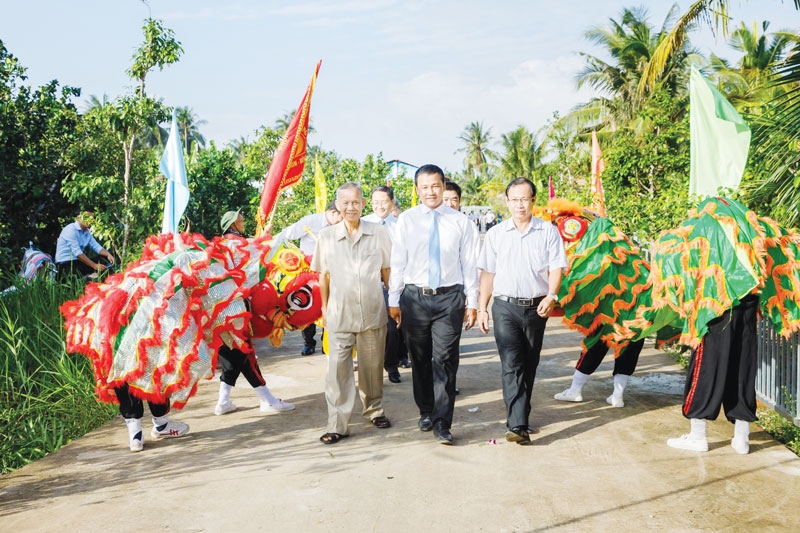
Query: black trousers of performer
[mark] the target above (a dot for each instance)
(432, 328)
(722, 370)
(391, 357)
(518, 332)
(624, 364)
(235, 362)
(308, 336)
(132, 407)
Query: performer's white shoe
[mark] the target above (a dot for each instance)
(568, 396)
(614, 401)
(686, 442)
(277, 406)
(137, 444)
(171, 429)
(224, 408)
(740, 445)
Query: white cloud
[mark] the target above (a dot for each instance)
(426, 114)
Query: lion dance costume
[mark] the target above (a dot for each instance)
(157, 327)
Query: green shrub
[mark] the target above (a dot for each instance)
(46, 395)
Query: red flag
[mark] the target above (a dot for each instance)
(552, 191)
(289, 160)
(598, 165)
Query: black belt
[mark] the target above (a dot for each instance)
(427, 291)
(523, 302)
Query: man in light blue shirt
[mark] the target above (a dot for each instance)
(72, 242)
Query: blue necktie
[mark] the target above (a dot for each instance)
(434, 268)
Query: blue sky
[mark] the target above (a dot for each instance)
(398, 77)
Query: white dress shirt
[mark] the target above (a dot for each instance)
(521, 261)
(387, 222)
(459, 246)
(300, 230)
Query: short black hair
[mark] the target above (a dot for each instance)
(453, 186)
(429, 169)
(332, 206)
(522, 181)
(383, 188)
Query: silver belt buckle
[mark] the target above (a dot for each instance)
(525, 302)
(427, 291)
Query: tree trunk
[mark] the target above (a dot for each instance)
(128, 149)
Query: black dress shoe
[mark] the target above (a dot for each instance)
(442, 433)
(519, 435)
(394, 376)
(425, 423)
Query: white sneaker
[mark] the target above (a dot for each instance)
(224, 408)
(614, 401)
(172, 429)
(685, 442)
(741, 446)
(137, 444)
(278, 406)
(568, 396)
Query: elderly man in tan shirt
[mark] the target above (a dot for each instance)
(352, 258)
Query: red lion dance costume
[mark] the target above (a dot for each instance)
(158, 326)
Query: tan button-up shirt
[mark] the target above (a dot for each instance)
(355, 301)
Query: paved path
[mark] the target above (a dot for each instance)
(591, 467)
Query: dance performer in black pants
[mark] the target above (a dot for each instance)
(132, 410)
(624, 365)
(722, 372)
(234, 361)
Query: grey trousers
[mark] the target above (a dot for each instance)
(340, 387)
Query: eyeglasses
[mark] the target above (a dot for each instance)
(382, 203)
(519, 200)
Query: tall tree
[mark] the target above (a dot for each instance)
(476, 141)
(521, 156)
(188, 125)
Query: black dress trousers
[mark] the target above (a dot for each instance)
(432, 329)
(518, 332)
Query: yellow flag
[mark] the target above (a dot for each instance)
(413, 194)
(320, 188)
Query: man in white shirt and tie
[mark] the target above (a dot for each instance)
(522, 263)
(382, 201)
(307, 230)
(433, 264)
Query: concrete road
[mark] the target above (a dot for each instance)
(591, 467)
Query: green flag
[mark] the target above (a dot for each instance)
(720, 139)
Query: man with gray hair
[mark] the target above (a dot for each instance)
(352, 258)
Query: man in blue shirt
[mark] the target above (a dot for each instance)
(72, 242)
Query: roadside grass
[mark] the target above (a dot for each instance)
(780, 428)
(46, 395)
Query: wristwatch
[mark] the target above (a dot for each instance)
(553, 296)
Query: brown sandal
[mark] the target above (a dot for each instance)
(332, 438)
(381, 422)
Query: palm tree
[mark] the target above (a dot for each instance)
(748, 85)
(630, 43)
(188, 127)
(522, 155)
(476, 147)
(239, 147)
(673, 42)
(93, 102)
(282, 123)
(776, 143)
